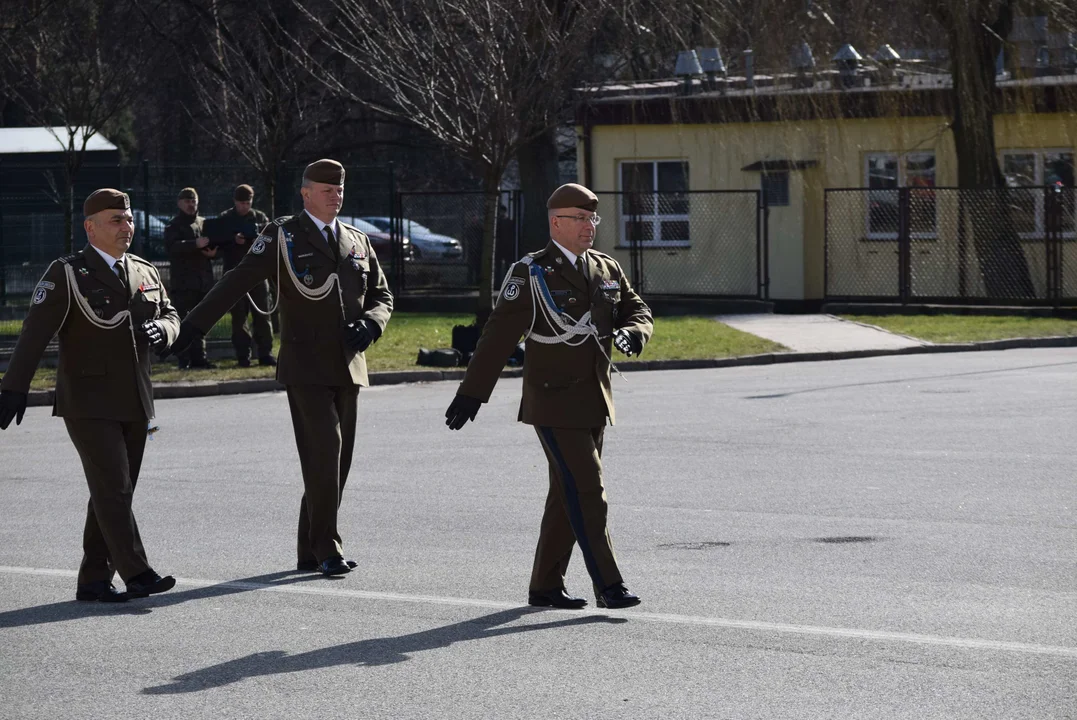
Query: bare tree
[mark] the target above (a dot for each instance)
(481, 76)
(70, 64)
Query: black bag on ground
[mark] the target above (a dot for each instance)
(441, 357)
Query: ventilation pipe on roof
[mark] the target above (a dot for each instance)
(848, 61)
(711, 60)
(888, 60)
(687, 68)
(804, 64)
(749, 69)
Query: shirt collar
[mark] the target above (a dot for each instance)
(568, 253)
(109, 260)
(321, 225)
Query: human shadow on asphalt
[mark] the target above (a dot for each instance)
(775, 396)
(372, 652)
(74, 610)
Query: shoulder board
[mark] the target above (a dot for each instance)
(351, 227)
(537, 253)
(141, 261)
(525, 260)
(69, 258)
(599, 254)
(281, 220)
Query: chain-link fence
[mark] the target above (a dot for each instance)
(703, 243)
(442, 234)
(949, 245)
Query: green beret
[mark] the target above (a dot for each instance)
(243, 193)
(188, 193)
(573, 196)
(105, 199)
(329, 172)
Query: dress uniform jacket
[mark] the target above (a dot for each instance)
(233, 253)
(564, 385)
(102, 373)
(312, 349)
(191, 271)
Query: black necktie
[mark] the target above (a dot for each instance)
(581, 267)
(121, 273)
(331, 239)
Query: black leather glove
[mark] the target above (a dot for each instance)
(627, 342)
(12, 406)
(461, 409)
(188, 336)
(155, 336)
(361, 334)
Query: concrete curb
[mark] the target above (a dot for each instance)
(239, 387)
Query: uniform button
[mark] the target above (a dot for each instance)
(545, 384)
(572, 301)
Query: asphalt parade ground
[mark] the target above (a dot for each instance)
(891, 537)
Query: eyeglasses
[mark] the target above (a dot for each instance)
(593, 219)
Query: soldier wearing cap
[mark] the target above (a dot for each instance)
(109, 310)
(334, 303)
(191, 272)
(572, 304)
(241, 212)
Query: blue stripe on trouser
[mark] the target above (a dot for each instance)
(572, 501)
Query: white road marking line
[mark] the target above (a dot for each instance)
(669, 618)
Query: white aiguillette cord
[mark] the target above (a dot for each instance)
(112, 323)
(318, 293)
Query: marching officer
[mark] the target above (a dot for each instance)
(191, 267)
(110, 310)
(242, 212)
(572, 304)
(334, 302)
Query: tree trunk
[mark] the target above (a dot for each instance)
(539, 177)
(491, 180)
(973, 49)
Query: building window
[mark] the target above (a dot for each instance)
(654, 203)
(775, 187)
(885, 173)
(1038, 168)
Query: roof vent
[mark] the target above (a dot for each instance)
(711, 60)
(804, 63)
(848, 61)
(687, 68)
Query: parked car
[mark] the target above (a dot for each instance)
(380, 240)
(426, 245)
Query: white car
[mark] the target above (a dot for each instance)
(426, 245)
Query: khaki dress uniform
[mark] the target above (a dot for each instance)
(567, 395)
(321, 288)
(191, 273)
(259, 295)
(103, 389)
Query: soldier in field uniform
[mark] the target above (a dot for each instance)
(109, 310)
(572, 304)
(242, 212)
(191, 268)
(334, 302)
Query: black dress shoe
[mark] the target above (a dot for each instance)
(149, 583)
(203, 365)
(616, 596)
(555, 598)
(334, 566)
(314, 566)
(99, 590)
(267, 360)
(243, 362)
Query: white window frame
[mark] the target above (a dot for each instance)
(902, 158)
(655, 218)
(1038, 181)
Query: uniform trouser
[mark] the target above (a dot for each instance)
(263, 331)
(185, 300)
(323, 419)
(575, 510)
(111, 453)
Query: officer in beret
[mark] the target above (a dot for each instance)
(191, 260)
(110, 310)
(241, 212)
(334, 303)
(572, 304)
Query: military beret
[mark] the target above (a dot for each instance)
(573, 196)
(243, 193)
(329, 172)
(188, 193)
(105, 199)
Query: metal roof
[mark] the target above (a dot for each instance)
(25, 140)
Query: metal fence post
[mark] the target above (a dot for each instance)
(904, 247)
(145, 207)
(762, 244)
(1052, 222)
(3, 264)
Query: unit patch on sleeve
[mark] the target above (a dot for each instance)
(40, 294)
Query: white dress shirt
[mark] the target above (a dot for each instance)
(108, 258)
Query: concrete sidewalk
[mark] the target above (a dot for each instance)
(818, 333)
